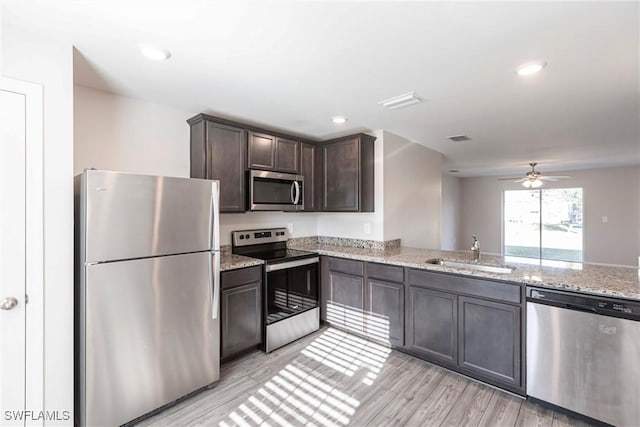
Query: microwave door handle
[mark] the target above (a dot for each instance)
(297, 188)
(292, 191)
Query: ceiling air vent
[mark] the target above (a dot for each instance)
(400, 101)
(459, 138)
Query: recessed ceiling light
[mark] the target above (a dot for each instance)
(400, 101)
(339, 120)
(531, 68)
(153, 52)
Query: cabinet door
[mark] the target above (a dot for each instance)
(310, 169)
(384, 312)
(225, 161)
(432, 324)
(262, 151)
(241, 312)
(489, 340)
(220, 152)
(287, 156)
(345, 302)
(341, 176)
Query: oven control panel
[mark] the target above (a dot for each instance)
(257, 237)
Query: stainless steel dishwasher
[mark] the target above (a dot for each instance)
(583, 354)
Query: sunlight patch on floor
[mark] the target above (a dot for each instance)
(317, 397)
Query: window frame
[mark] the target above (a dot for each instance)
(540, 260)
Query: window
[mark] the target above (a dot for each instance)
(545, 224)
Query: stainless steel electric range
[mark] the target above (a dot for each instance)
(290, 294)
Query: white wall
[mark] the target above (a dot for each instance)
(610, 192)
(411, 192)
(450, 223)
(114, 132)
(351, 225)
(33, 58)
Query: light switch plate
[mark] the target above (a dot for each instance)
(605, 219)
(367, 228)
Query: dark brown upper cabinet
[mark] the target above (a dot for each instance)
(338, 174)
(262, 151)
(273, 153)
(310, 169)
(219, 151)
(348, 174)
(287, 155)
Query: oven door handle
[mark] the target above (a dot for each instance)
(292, 264)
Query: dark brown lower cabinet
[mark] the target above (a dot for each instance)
(345, 301)
(471, 325)
(369, 306)
(240, 311)
(432, 324)
(384, 313)
(489, 340)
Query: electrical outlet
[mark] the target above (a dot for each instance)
(290, 228)
(367, 228)
(605, 219)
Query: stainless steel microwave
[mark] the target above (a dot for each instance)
(274, 191)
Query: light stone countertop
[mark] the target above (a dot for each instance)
(622, 282)
(229, 261)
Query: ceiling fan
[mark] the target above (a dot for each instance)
(533, 178)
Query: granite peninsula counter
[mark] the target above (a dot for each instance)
(620, 282)
(229, 261)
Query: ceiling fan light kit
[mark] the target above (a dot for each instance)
(534, 183)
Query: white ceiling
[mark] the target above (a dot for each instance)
(293, 65)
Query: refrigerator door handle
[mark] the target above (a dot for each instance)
(214, 216)
(214, 279)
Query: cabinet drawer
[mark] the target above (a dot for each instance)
(346, 266)
(465, 285)
(241, 276)
(392, 273)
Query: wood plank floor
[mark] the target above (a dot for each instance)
(331, 378)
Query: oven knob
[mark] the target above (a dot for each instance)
(242, 237)
(246, 236)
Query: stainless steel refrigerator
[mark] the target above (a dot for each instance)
(147, 293)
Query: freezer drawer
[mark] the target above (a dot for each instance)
(147, 334)
(584, 362)
(126, 216)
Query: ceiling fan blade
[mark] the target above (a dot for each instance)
(508, 179)
(554, 177)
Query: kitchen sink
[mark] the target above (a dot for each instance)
(471, 266)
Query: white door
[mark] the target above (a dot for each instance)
(20, 251)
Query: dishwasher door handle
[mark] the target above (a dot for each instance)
(582, 308)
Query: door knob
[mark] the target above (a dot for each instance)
(8, 303)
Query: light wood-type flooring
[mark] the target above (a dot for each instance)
(332, 378)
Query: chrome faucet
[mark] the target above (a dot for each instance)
(475, 249)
